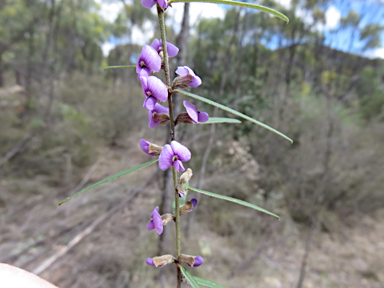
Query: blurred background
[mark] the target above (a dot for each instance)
(65, 124)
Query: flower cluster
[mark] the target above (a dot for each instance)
(151, 61)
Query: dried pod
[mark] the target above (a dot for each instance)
(166, 218)
(186, 176)
(182, 82)
(155, 149)
(161, 261)
(181, 190)
(183, 118)
(188, 207)
(162, 118)
(192, 261)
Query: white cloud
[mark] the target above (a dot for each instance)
(332, 17)
(378, 53)
(109, 11)
(197, 11)
(142, 36)
(285, 3)
(106, 47)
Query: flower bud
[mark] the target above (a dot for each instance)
(181, 190)
(186, 176)
(160, 261)
(162, 118)
(183, 118)
(166, 218)
(188, 207)
(192, 261)
(155, 149)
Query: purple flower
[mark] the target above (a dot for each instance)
(174, 154)
(144, 72)
(150, 3)
(195, 115)
(149, 59)
(194, 203)
(198, 261)
(154, 90)
(186, 72)
(149, 261)
(150, 148)
(157, 109)
(156, 222)
(172, 49)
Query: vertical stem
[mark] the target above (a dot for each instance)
(160, 13)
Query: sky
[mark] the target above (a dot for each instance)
(374, 14)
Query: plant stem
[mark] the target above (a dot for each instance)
(172, 132)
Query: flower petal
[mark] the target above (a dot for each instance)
(178, 166)
(163, 4)
(149, 261)
(161, 109)
(191, 110)
(157, 221)
(149, 103)
(181, 151)
(151, 121)
(144, 145)
(172, 50)
(182, 71)
(151, 225)
(196, 81)
(158, 89)
(194, 202)
(198, 261)
(156, 44)
(165, 158)
(149, 58)
(203, 117)
(144, 72)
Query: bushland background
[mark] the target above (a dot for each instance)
(65, 123)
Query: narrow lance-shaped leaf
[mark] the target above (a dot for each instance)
(122, 66)
(191, 280)
(242, 4)
(234, 200)
(207, 283)
(134, 169)
(217, 120)
(230, 110)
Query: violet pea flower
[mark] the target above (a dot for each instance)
(171, 49)
(185, 71)
(157, 109)
(154, 90)
(149, 59)
(198, 261)
(149, 261)
(194, 203)
(156, 222)
(150, 3)
(174, 154)
(194, 114)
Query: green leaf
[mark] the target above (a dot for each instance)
(230, 110)
(207, 283)
(216, 120)
(191, 280)
(234, 200)
(242, 4)
(134, 169)
(123, 66)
